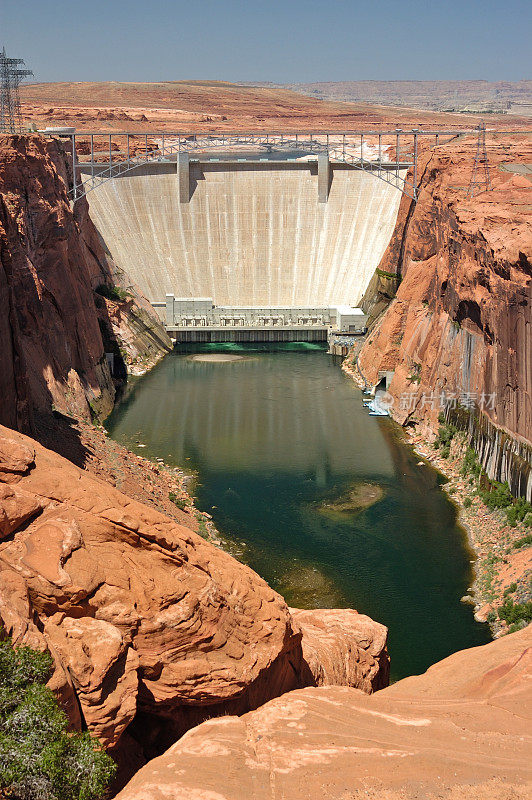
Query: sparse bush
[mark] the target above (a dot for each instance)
(498, 495)
(39, 758)
(515, 612)
(446, 432)
(518, 511)
(114, 293)
(467, 502)
(180, 502)
(517, 626)
(510, 589)
(470, 464)
(524, 541)
(415, 377)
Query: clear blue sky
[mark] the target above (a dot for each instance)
(298, 41)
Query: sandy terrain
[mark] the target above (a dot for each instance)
(205, 106)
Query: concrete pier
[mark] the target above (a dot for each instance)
(324, 177)
(183, 177)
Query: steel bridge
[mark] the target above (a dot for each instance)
(391, 155)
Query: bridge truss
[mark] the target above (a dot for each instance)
(390, 155)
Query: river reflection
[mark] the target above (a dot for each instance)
(274, 435)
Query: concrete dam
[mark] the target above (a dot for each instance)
(248, 243)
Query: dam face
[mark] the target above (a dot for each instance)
(251, 234)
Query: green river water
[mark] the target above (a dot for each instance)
(328, 504)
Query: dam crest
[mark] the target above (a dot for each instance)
(250, 240)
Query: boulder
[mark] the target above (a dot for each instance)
(151, 628)
(342, 648)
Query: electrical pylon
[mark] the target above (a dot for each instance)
(480, 177)
(10, 79)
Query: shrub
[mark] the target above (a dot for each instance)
(497, 496)
(524, 541)
(515, 612)
(510, 589)
(415, 377)
(114, 293)
(446, 432)
(467, 502)
(470, 464)
(178, 501)
(518, 511)
(39, 758)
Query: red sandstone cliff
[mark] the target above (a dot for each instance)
(461, 322)
(51, 259)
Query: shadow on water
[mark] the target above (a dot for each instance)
(277, 438)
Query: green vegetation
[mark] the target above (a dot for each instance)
(467, 502)
(515, 612)
(510, 589)
(180, 502)
(39, 758)
(446, 433)
(383, 274)
(202, 527)
(114, 293)
(415, 377)
(524, 541)
(471, 464)
(497, 495)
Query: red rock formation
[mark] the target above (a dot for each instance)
(342, 648)
(461, 321)
(460, 731)
(51, 348)
(51, 259)
(152, 629)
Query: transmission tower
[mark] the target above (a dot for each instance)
(480, 177)
(11, 76)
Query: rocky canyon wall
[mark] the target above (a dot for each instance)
(458, 334)
(52, 348)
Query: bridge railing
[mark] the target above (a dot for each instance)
(390, 155)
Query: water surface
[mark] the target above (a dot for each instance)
(278, 439)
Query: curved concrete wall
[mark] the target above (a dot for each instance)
(251, 234)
